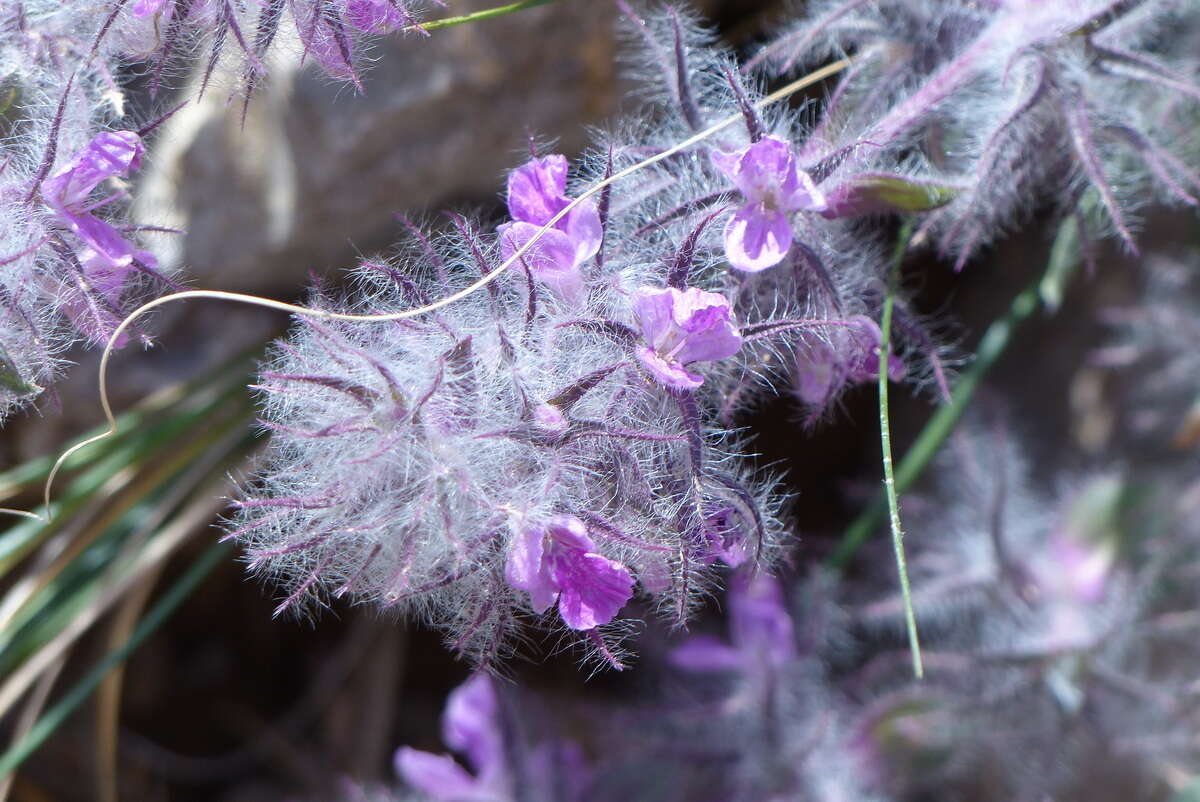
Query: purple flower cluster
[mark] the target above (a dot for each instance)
(1054, 670)
(554, 441)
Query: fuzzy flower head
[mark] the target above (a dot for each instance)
(470, 727)
(557, 561)
(536, 193)
(681, 327)
(759, 234)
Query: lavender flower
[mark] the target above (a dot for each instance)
(536, 193)
(683, 327)
(848, 355)
(488, 729)
(557, 561)
(759, 234)
(760, 631)
(107, 258)
(469, 726)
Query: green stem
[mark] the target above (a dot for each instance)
(939, 427)
(161, 611)
(487, 13)
(885, 438)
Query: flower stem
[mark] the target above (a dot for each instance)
(885, 438)
(487, 13)
(939, 427)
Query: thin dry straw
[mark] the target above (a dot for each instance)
(774, 97)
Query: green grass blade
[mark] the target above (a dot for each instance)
(78, 694)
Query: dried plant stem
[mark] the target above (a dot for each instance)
(166, 543)
(320, 314)
(31, 711)
(885, 438)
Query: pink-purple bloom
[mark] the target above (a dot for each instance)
(681, 327)
(848, 355)
(470, 727)
(761, 632)
(557, 561)
(759, 234)
(106, 256)
(536, 193)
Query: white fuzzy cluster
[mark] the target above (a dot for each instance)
(406, 455)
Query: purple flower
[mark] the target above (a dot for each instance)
(537, 192)
(681, 327)
(106, 256)
(470, 727)
(761, 632)
(558, 561)
(759, 234)
(848, 356)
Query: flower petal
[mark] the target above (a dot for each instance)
(582, 225)
(439, 776)
(705, 653)
(759, 621)
(536, 189)
(710, 330)
(593, 589)
(524, 569)
(469, 725)
(806, 197)
(654, 310)
(552, 260)
(110, 154)
(102, 238)
(766, 169)
(757, 237)
(671, 374)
